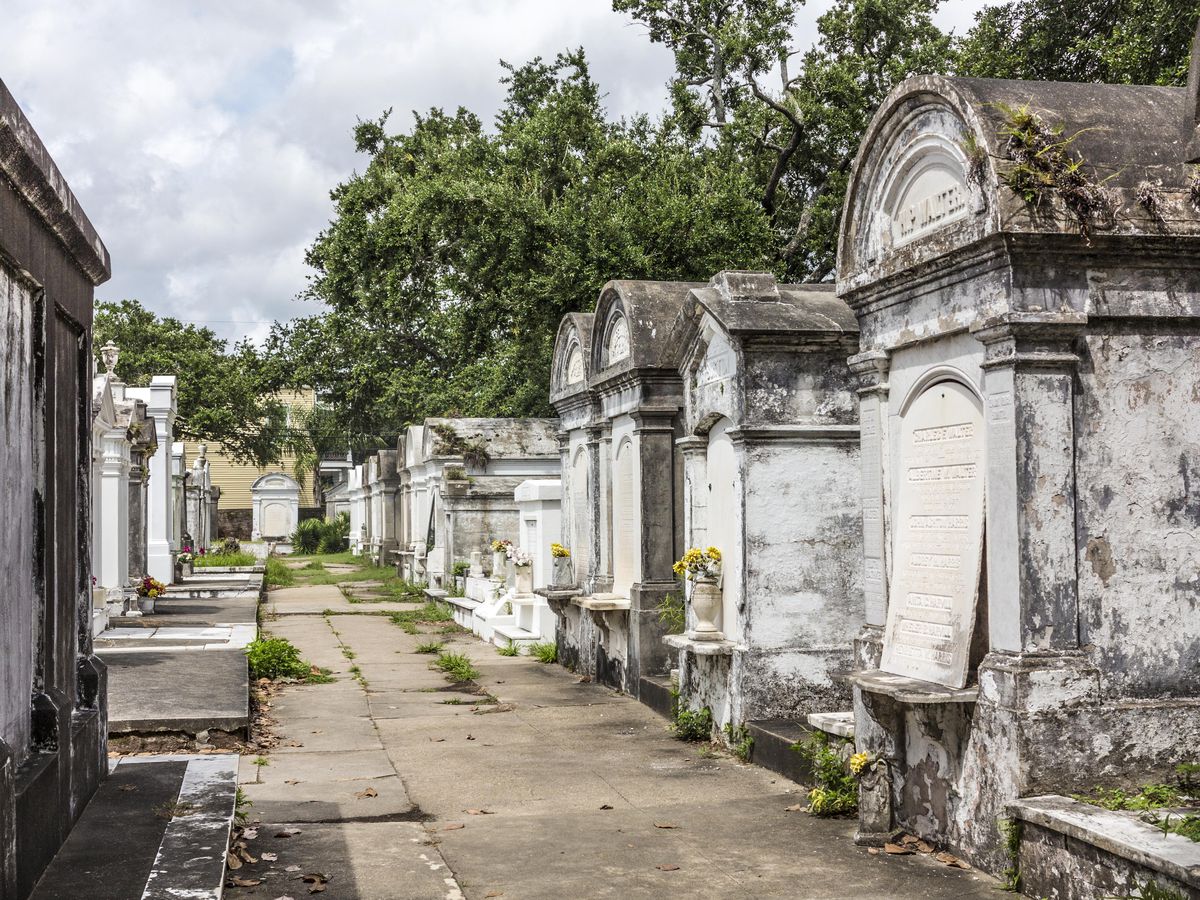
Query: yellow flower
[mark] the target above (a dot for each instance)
(714, 554)
(858, 762)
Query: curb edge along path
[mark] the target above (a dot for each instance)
(403, 785)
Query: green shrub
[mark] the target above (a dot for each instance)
(544, 652)
(335, 534)
(457, 666)
(228, 545)
(307, 536)
(275, 658)
(692, 724)
(278, 574)
(836, 789)
(1148, 796)
(460, 569)
(671, 613)
(510, 649)
(740, 741)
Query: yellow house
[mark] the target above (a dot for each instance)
(235, 510)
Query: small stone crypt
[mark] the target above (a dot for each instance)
(771, 478)
(618, 394)
(1030, 432)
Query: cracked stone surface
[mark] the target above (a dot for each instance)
(559, 789)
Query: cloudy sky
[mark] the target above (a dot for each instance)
(203, 137)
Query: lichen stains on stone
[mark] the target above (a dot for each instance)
(1187, 505)
(1099, 554)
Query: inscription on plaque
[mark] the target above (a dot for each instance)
(939, 537)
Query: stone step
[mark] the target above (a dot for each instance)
(773, 740)
(158, 827)
(1073, 850)
(655, 692)
(514, 634)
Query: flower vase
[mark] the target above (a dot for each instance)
(185, 569)
(524, 579)
(706, 606)
(499, 563)
(563, 576)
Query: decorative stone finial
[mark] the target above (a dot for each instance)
(110, 354)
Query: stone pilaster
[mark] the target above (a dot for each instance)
(599, 449)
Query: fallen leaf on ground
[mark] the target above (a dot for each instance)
(285, 897)
(667, 867)
(874, 851)
(245, 855)
(231, 860)
(318, 732)
(664, 825)
(127, 787)
(292, 869)
(924, 846)
(908, 840)
(438, 740)
(896, 850)
(292, 781)
(949, 859)
(288, 832)
(238, 881)
(250, 833)
(470, 737)
(795, 807)
(606, 806)
(583, 679)
(453, 826)
(494, 894)
(479, 812)
(270, 857)
(317, 880)
(366, 793)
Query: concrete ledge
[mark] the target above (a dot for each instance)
(603, 603)
(461, 602)
(773, 740)
(1120, 834)
(911, 690)
(515, 634)
(700, 648)
(838, 723)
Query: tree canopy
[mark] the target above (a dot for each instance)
(450, 258)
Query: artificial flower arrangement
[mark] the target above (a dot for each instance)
(558, 551)
(518, 557)
(186, 555)
(501, 546)
(699, 563)
(151, 587)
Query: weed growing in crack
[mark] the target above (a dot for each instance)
(430, 647)
(457, 666)
(692, 724)
(510, 649)
(741, 743)
(544, 652)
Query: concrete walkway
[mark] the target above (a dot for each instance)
(402, 786)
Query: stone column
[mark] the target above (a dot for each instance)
(137, 517)
(599, 449)
(160, 512)
(1029, 385)
(112, 571)
(214, 502)
(872, 371)
(654, 435)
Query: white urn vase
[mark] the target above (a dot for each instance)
(499, 563)
(706, 606)
(524, 579)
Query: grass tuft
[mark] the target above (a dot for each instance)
(457, 666)
(430, 647)
(544, 652)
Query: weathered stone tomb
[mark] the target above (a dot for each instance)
(771, 479)
(53, 718)
(276, 499)
(1030, 433)
(618, 393)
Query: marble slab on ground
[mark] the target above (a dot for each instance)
(177, 691)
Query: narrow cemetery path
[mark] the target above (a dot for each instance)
(402, 785)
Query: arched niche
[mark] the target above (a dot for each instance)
(580, 533)
(938, 534)
(616, 339)
(626, 527)
(723, 530)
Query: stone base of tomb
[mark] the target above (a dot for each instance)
(740, 684)
(41, 800)
(1037, 723)
(1075, 851)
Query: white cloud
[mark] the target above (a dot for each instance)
(203, 138)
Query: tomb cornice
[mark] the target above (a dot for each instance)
(647, 421)
(1031, 340)
(871, 367)
(795, 434)
(692, 445)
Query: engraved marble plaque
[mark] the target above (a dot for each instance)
(939, 537)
